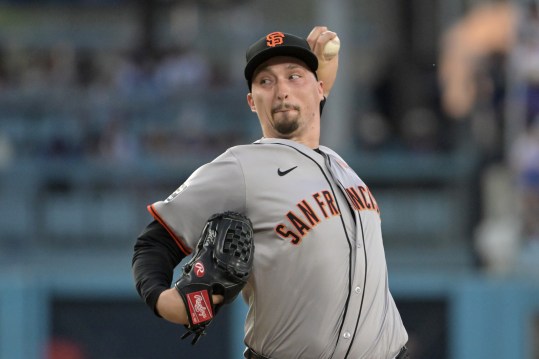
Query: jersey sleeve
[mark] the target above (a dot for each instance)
(215, 187)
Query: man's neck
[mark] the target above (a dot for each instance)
(311, 140)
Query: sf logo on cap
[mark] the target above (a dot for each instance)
(274, 39)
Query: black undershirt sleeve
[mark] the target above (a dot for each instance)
(154, 259)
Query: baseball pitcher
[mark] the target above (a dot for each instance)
(306, 252)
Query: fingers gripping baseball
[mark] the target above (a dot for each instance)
(218, 270)
(324, 43)
(331, 49)
(326, 46)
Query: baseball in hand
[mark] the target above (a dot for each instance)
(332, 48)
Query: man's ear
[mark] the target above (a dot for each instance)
(321, 90)
(251, 102)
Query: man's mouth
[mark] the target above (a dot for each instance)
(285, 108)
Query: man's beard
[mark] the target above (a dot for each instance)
(288, 123)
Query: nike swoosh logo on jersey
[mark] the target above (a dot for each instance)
(282, 173)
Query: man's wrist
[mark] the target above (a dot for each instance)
(171, 307)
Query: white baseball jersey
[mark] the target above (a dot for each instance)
(319, 285)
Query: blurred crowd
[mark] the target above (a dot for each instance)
(489, 79)
(66, 66)
(123, 106)
(476, 99)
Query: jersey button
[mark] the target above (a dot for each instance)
(346, 335)
(358, 290)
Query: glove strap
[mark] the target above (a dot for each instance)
(199, 306)
(198, 302)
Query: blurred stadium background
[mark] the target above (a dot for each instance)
(108, 105)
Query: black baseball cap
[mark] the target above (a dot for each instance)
(278, 44)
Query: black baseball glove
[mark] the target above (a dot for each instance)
(221, 265)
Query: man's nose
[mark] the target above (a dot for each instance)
(282, 91)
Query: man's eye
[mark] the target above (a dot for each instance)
(295, 76)
(264, 81)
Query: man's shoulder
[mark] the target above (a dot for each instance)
(237, 152)
(257, 147)
(330, 152)
(261, 151)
